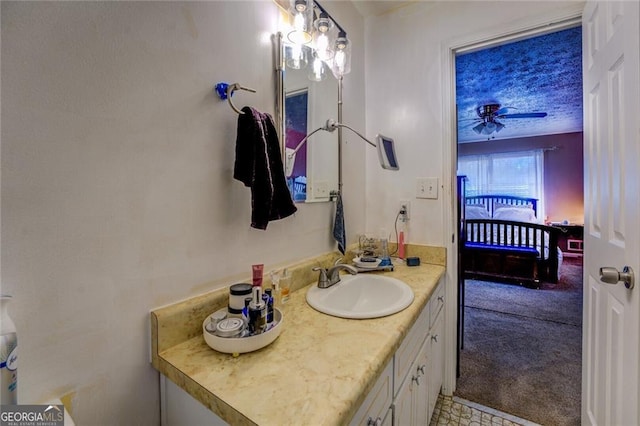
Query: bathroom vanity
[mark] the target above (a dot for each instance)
(321, 369)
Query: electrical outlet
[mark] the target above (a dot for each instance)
(406, 204)
(427, 187)
(321, 189)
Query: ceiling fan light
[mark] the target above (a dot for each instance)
(489, 128)
(478, 128)
(499, 126)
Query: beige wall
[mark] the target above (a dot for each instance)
(117, 189)
(405, 98)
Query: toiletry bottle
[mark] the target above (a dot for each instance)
(285, 286)
(403, 235)
(245, 310)
(8, 356)
(257, 312)
(384, 248)
(275, 286)
(257, 271)
(269, 296)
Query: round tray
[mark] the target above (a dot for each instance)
(366, 265)
(240, 345)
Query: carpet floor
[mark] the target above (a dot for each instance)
(523, 348)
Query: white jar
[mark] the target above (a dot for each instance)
(237, 294)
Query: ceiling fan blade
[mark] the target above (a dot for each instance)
(467, 125)
(503, 110)
(524, 115)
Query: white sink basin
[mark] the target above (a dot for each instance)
(361, 296)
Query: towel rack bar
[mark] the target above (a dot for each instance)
(225, 91)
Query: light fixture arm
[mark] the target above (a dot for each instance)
(330, 126)
(336, 125)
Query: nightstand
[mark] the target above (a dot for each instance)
(570, 239)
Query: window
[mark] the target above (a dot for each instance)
(509, 173)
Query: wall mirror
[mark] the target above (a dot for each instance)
(306, 106)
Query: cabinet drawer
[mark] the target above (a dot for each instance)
(409, 348)
(436, 302)
(378, 401)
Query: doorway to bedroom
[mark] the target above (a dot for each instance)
(519, 110)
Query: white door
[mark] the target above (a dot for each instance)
(611, 42)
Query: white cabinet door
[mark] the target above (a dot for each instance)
(421, 394)
(376, 405)
(403, 404)
(411, 403)
(436, 362)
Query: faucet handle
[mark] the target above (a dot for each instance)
(323, 281)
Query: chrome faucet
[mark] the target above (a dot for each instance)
(331, 276)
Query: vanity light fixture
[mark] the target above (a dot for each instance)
(319, 37)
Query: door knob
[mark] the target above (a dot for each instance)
(611, 275)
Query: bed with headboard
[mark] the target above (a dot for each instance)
(504, 241)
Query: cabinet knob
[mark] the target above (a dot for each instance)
(435, 338)
(421, 368)
(372, 422)
(441, 299)
(416, 380)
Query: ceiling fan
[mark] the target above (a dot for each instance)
(489, 113)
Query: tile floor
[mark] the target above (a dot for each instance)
(456, 411)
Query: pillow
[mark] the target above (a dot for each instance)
(497, 206)
(476, 211)
(516, 214)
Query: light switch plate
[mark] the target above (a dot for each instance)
(321, 189)
(427, 187)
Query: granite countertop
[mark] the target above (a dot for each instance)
(318, 370)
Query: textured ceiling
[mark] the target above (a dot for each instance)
(540, 74)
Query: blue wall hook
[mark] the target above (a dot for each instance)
(221, 89)
(225, 91)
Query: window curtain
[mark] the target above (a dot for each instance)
(509, 173)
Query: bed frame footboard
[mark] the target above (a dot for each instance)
(508, 251)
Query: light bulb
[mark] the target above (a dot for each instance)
(339, 61)
(317, 71)
(298, 22)
(322, 42)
